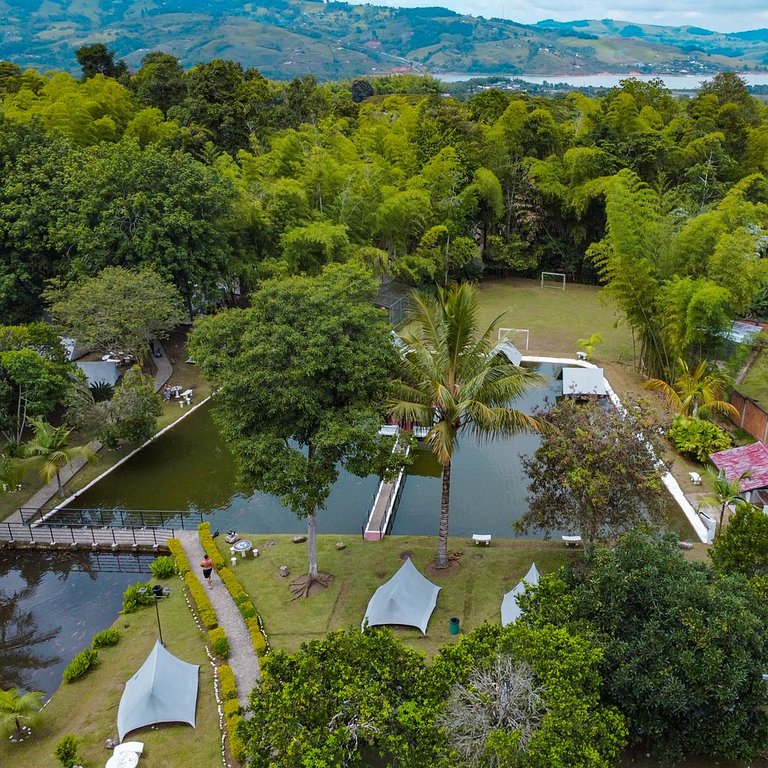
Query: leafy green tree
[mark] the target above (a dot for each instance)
(683, 654)
(133, 411)
(307, 249)
(592, 474)
(298, 378)
(17, 707)
(694, 389)
(119, 311)
(568, 726)
(49, 451)
(338, 699)
(743, 546)
(451, 381)
(97, 59)
(160, 81)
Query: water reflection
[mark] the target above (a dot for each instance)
(51, 604)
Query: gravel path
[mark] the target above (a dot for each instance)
(242, 657)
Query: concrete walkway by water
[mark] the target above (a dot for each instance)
(47, 492)
(242, 657)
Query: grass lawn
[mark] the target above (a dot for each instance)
(755, 385)
(473, 593)
(88, 707)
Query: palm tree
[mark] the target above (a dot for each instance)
(450, 381)
(16, 706)
(49, 453)
(725, 491)
(701, 388)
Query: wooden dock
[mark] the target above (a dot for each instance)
(385, 502)
(131, 539)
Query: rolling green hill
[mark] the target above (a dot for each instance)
(285, 38)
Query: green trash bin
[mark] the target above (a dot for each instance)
(453, 625)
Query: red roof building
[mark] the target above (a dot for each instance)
(747, 458)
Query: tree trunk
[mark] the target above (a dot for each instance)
(442, 535)
(312, 546)
(58, 481)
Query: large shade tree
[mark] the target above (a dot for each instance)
(298, 376)
(451, 381)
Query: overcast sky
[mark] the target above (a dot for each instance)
(718, 15)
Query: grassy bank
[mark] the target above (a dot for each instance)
(88, 707)
(473, 593)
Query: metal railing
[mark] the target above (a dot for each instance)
(117, 517)
(85, 535)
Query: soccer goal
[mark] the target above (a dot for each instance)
(515, 335)
(553, 280)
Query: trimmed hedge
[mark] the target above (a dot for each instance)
(236, 744)
(219, 643)
(203, 604)
(231, 709)
(82, 662)
(182, 563)
(231, 583)
(247, 610)
(105, 639)
(209, 545)
(227, 682)
(257, 637)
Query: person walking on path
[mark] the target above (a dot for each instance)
(207, 565)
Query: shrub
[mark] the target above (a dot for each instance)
(231, 709)
(101, 391)
(219, 644)
(236, 744)
(162, 567)
(133, 599)
(257, 637)
(105, 639)
(66, 751)
(231, 583)
(227, 682)
(82, 662)
(697, 438)
(209, 545)
(182, 562)
(202, 603)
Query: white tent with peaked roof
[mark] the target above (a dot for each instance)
(164, 690)
(408, 598)
(510, 610)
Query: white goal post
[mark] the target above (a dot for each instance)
(553, 277)
(505, 333)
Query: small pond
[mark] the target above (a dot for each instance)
(51, 604)
(190, 468)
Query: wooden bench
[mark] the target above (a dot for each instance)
(572, 541)
(481, 538)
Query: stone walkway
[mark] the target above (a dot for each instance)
(242, 657)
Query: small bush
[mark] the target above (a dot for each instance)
(209, 545)
(66, 751)
(236, 744)
(105, 639)
(202, 603)
(177, 551)
(231, 583)
(227, 682)
(219, 644)
(231, 709)
(697, 438)
(257, 638)
(133, 599)
(163, 567)
(82, 662)
(101, 391)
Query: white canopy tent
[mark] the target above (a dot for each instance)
(164, 690)
(408, 598)
(510, 610)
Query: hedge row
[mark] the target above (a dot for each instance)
(236, 745)
(247, 610)
(209, 545)
(227, 682)
(182, 563)
(219, 644)
(203, 604)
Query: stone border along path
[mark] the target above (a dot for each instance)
(242, 656)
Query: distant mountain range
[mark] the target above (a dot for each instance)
(285, 38)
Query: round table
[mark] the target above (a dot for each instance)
(242, 546)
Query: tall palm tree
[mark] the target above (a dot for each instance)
(451, 382)
(700, 388)
(725, 491)
(15, 707)
(48, 451)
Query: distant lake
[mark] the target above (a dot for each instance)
(673, 82)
